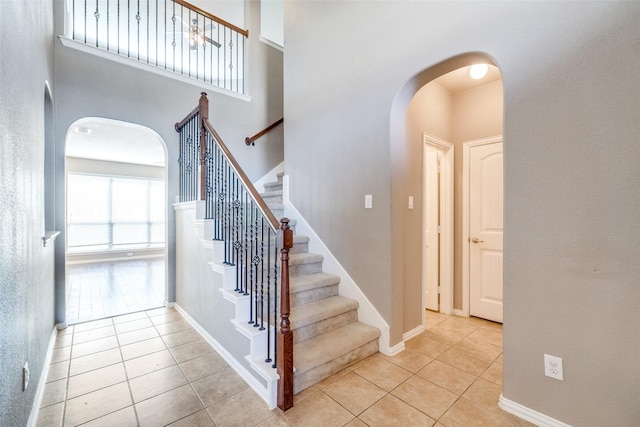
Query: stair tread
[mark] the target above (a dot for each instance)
(271, 193)
(331, 345)
(312, 281)
(304, 258)
(316, 311)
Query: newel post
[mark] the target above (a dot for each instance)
(285, 336)
(203, 107)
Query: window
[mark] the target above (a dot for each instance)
(107, 213)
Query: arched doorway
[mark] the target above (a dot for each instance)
(438, 111)
(115, 174)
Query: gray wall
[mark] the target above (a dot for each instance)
(92, 86)
(26, 267)
(571, 106)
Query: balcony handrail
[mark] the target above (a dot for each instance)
(252, 140)
(212, 17)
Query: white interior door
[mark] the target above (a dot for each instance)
(431, 251)
(485, 231)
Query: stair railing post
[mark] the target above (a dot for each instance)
(203, 106)
(285, 336)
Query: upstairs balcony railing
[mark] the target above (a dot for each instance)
(171, 35)
(255, 242)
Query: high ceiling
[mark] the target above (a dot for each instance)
(115, 141)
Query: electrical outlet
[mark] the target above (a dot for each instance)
(553, 367)
(25, 376)
(410, 202)
(368, 201)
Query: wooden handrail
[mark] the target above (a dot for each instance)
(284, 338)
(251, 140)
(212, 17)
(187, 118)
(257, 199)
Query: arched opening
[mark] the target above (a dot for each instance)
(438, 119)
(115, 194)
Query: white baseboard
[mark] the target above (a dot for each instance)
(413, 332)
(37, 400)
(458, 312)
(254, 383)
(528, 414)
(367, 312)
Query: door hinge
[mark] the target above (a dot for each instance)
(439, 230)
(439, 169)
(438, 289)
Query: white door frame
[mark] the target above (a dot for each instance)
(466, 148)
(431, 142)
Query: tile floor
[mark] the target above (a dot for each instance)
(104, 289)
(152, 369)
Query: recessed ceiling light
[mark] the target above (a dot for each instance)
(478, 71)
(82, 129)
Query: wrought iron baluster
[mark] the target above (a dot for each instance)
(268, 267)
(262, 226)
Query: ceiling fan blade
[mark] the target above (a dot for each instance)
(213, 42)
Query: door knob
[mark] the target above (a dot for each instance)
(476, 240)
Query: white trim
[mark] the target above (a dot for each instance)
(271, 176)
(67, 42)
(270, 43)
(37, 400)
(412, 333)
(466, 148)
(457, 312)
(396, 349)
(253, 382)
(367, 312)
(446, 215)
(528, 414)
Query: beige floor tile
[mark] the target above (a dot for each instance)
(219, 386)
(491, 335)
(356, 422)
(203, 366)
(460, 325)
(63, 340)
(54, 392)
(133, 325)
(58, 371)
(443, 335)
(136, 336)
(318, 410)
(305, 393)
(166, 317)
(179, 338)
(433, 318)
(493, 373)
(93, 361)
(426, 346)
(94, 405)
(191, 350)
(156, 383)
(453, 379)
(410, 360)
(95, 346)
(60, 354)
(199, 419)
(142, 348)
(130, 317)
(51, 416)
(94, 324)
(243, 409)
(500, 359)
(464, 413)
(479, 348)
(160, 310)
(393, 412)
(93, 334)
(354, 393)
(172, 327)
(148, 363)
(425, 396)
(465, 361)
(276, 420)
(123, 418)
(384, 374)
(484, 393)
(168, 407)
(334, 377)
(96, 379)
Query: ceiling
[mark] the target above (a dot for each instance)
(459, 80)
(115, 141)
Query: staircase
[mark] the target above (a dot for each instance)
(326, 332)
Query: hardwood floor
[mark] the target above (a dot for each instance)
(106, 289)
